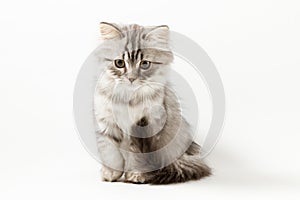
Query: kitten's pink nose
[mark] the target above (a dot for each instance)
(131, 79)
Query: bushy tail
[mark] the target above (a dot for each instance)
(187, 167)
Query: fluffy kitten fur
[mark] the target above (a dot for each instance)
(141, 131)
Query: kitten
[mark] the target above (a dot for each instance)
(141, 132)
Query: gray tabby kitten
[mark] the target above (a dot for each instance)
(141, 132)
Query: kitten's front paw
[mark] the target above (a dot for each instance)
(134, 177)
(110, 175)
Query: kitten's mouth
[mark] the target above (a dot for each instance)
(133, 83)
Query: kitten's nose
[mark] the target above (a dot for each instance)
(131, 79)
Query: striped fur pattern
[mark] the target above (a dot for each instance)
(141, 132)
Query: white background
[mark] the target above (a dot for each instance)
(254, 44)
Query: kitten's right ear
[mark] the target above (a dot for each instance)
(158, 33)
(110, 31)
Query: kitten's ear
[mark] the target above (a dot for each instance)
(110, 31)
(158, 33)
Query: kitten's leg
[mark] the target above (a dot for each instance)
(131, 174)
(111, 158)
(146, 126)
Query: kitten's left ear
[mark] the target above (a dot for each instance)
(158, 33)
(110, 31)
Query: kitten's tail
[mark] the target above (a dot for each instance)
(187, 167)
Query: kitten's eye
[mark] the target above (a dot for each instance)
(145, 64)
(119, 63)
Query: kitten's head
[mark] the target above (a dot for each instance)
(136, 55)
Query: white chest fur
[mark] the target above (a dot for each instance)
(126, 114)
